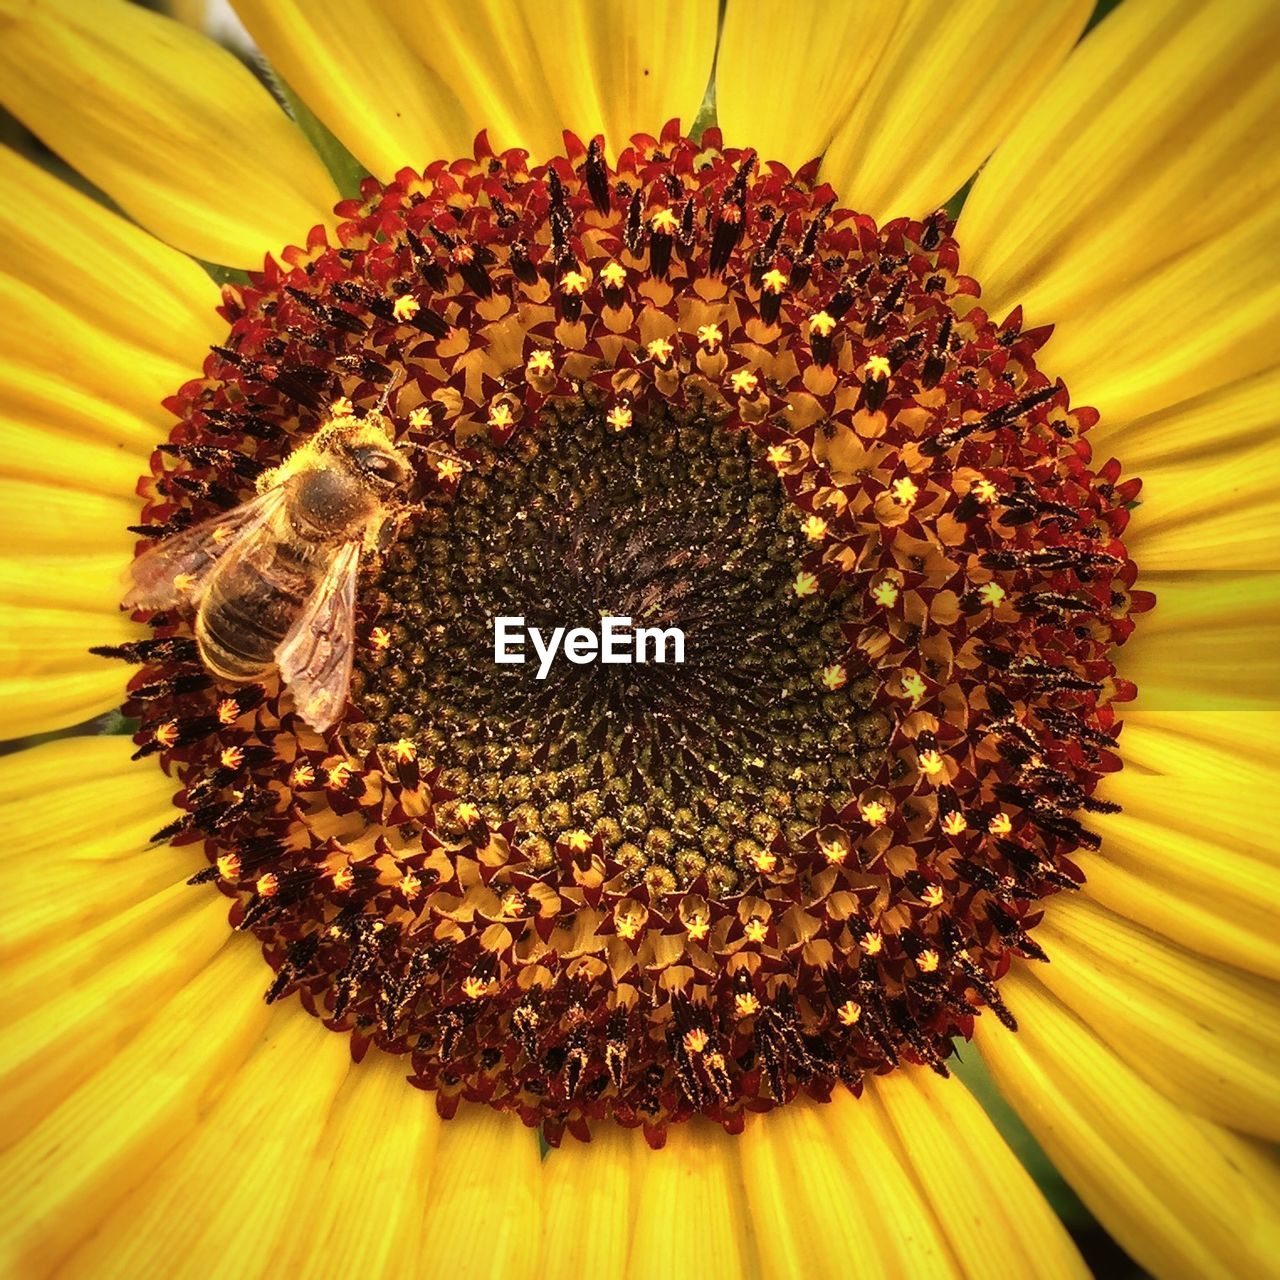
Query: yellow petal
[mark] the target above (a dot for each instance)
(618, 68)
(1210, 479)
(244, 1164)
(487, 54)
(359, 1211)
(79, 815)
(174, 128)
(118, 278)
(68, 1172)
(346, 61)
(817, 56)
(950, 85)
(1208, 644)
(1202, 916)
(864, 1139)
(48, 678)
(73, 1007)
(688, 1209)
(1209, 805)
(1222, 747)
(56, 338)
(483, 1210)
(1181, 1195)
(1206, 1036)
(993, 1215)
(831, 1195)
(589, 1182)
(1133, 206)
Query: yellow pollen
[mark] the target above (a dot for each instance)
(744, 382)
(379, 638)
(660, 350)
(874, 814)
(183, 582)
(873, 943)
(614, 274)
(927, 961)
(697, 927)
(420, 418)
(220, 534)
(573, 283)
(885, 593)
(710, 335)
(578, 841)
(448, 469)
(343, 878)
(836, 676)
(664, 222)
(834, 851)
(302, 775)
(473, 988)
(930, 762)
(500, 414)
(814, 528)
(339, 775)
(905, 491)
(228, 711)
(231, 757)
(745, 1004)
(619, 417)
(991, 593)
(774, 281)
(778, 455)
(986, 490)
(342, 408)
(406, 307)
(228, 865)
(167, 734)
(410, 885)
(696, 1041)
(764, 861)
(1000, 824)
(405, 751)
(877, 367)
(954, 823)
(467, 812)
(849, 1012)
(913, 685)
(821, 325)
(805, 583)
(628, 925)
(540, 363)
(932, 896)
(267, 886)
(756, 929)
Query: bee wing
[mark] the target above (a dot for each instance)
(177, 569)
(315, 657)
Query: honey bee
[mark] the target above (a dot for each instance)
(273, 581)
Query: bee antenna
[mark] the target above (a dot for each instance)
(397, 378)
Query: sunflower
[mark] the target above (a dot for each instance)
(663, 969)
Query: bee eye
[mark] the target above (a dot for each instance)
(379, 465)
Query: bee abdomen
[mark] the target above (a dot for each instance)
(247, 612)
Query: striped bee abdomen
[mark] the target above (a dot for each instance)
(253, 599)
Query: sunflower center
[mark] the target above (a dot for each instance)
(731, 721)
(689, 393)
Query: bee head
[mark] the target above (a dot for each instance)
(379, 464)
(366, 445)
